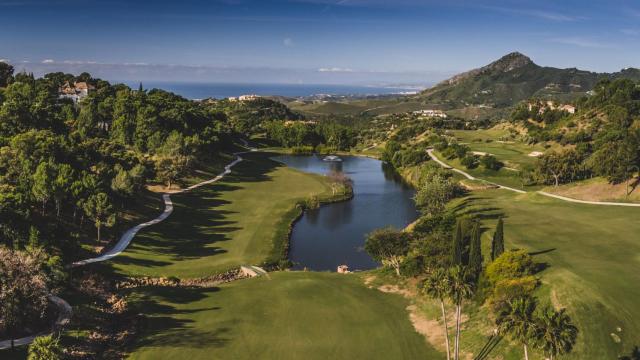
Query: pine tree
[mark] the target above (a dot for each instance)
(497, 245)
(34, 239)
(475, 251)
(457, 245)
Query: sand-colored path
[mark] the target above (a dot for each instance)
(543, 193)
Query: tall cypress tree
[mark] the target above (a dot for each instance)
(497, 245)
(475, 250)
(456, 254)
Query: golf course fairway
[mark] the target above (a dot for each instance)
(286, 315)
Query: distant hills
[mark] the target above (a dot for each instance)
(513, 78)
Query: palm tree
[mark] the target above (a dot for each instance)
(437, 286)
(461, 288)
(517, 320)
(635, 355)
(45, 348)
(556, 334)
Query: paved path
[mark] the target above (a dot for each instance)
(543, 193)
(588, 202)
(126, 238)
(469, 176)
(64, 316)
(65, 310)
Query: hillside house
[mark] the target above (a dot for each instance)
(77, 92)
(251, 97)
(431, 113)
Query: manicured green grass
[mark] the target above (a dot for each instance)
(236, 221)
(503, 176)
(288, 315)
(593, 257)
(514, 154)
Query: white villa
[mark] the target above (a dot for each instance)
(431, 113)
(248, 97)
(77, 92)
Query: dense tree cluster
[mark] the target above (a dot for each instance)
(325, 136)
(247, 116)
(63, 163)
(400, 155)
(602, 139)
(539, 111)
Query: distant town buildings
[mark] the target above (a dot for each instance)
(77, 92)
(431, 113)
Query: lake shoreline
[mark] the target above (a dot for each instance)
(331, 236)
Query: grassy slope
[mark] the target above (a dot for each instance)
(503, 176)
(512, 154)
(597, 189)
(220, 226)
(593, 253)
(290, 315)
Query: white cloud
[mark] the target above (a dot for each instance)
(541, 14)
(48, 61)
(79, 62)
(335, 69)
(288, 42)
(580, 42)
(4, 60)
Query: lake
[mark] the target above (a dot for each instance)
(334, 234)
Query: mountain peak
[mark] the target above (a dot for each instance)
(510, 62)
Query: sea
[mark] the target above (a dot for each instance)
(194, 90)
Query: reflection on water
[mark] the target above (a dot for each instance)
(334, 234)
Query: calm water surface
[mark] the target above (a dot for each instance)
(334, 234)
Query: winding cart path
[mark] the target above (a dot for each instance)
(65, 310)
(543, 193)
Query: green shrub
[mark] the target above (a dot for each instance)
(490, 162)
(302, 150)
(470, 161)
(511, 264)
(45, 348)
(508, 289)
(412, 266)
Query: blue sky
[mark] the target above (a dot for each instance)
(312, 41)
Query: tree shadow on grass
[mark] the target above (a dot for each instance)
(482, 213)
(163, 325)
(125, 259)
(534, 253)
(541, 266)
(199, 224)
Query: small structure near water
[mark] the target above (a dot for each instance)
(331, 158)
(343, 269)
(252, 271)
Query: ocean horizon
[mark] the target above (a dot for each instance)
(195, 90)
